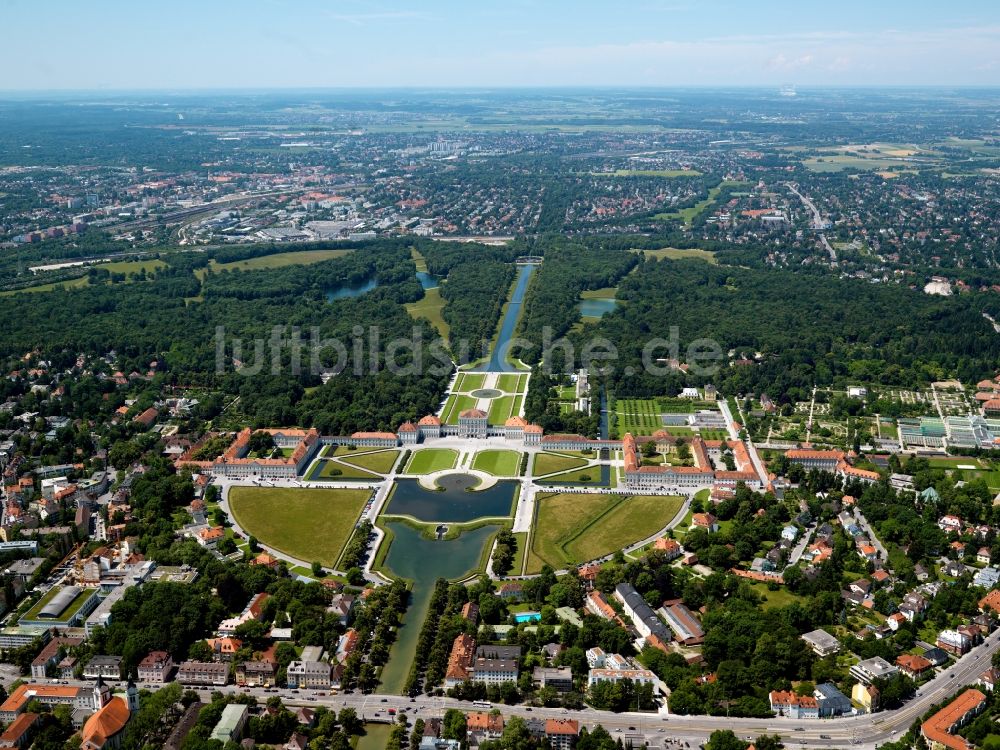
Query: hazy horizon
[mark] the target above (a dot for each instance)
(442, 44)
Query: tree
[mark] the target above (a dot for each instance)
(317, 569)
(453, 725)
(261, 443)
(725, 739)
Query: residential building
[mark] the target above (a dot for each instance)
(640, 613)
(104, 666)
(561, 733)
(156, 667)
(559, 678)
(256, 673)
(789, 704)
(869, 670)
(913, 666)
(939, 730)
(203, 673)
(308, 674)
(18, 734)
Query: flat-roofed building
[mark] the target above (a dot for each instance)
(203, 673)
(821, 642)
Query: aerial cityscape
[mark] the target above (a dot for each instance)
(500, 378)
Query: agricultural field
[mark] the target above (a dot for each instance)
(548, 463)
(429, 460)
(570, 529)
(307, 524)
(500, 463)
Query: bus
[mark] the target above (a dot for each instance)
(482, 704)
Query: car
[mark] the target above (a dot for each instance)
(384, 700)
(951, 675)
(824, 736)
(528, 709)
(631, 729)
(799, 729)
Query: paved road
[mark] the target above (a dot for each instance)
(865, 731)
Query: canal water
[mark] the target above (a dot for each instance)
(498, 360)
(423, 561)
(454, 503)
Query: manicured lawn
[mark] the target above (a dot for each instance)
(499, 463)
(547, 463)
(430, 307)
(308, 524)
(455, 405)
(470, 381)
(332, 471)
(381, 462)
(588, 474)
(339, 451)
(512, 383)
(572, 528)
(429, 460)
(501, 409)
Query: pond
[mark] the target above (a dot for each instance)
(426, 280)
(423, 561)
(595, 308)
(453, 503)
(348, 290)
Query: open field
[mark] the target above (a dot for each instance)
(455, 405)
(500, 463)
(308, 524)
(280, 260)
(429, 460)
(332, 471)
(780, 598)
(607, 292)
(676, 253)
(380, 462)
(574, 528)
(547, 463)
(430, 307)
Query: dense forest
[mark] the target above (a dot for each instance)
(553, 300)
(807, 329)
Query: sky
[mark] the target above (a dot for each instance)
(265, 44)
